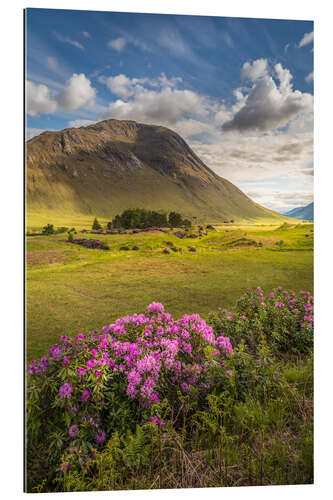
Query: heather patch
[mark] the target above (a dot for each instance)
(89, 243)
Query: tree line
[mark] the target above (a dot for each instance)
(141, 218)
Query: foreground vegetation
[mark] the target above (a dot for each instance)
(71, 288)
(153, 402)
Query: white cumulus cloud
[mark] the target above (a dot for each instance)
(39, 99)
(160, 107)
(153, 101)
(77, 93)
(268, 105)
(255, 70)
(122, 86)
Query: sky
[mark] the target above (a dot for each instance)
(239, 91)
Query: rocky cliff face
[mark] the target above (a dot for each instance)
(112, 165)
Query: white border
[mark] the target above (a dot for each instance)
(12, 245)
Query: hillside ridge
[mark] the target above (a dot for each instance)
(305, 213)
(112, 165)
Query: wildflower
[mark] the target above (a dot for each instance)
(91, 364)
(154, 398)
(65, 468)
(155, 307)
(184, 386)
(100, 437)
(80, 337)
(73, 431)
(65, 390)
(44, 363)
(157, 421)
(32, 368)
(81, 371)
(85, 395)
(55, 352)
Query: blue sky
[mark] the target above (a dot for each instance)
(240, 91)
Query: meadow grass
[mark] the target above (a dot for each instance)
(72, 289)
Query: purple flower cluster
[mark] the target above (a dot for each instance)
(147, 357)
(159, 422)
(65, 390)
(285, 319)
(179, 234)
(100, 437)
(89, 243)
(85, 395)
(73, 430)
(150, 356)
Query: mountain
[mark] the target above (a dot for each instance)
(304, 213)
(112, 165)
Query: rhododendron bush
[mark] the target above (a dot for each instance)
(107, 406)
(283, 317)
(137, 370)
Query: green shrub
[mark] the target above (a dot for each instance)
(48, 229)
(61, 230)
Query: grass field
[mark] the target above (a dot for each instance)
(71, 289)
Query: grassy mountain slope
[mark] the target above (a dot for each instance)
(112, 165)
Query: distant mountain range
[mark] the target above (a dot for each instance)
(107, 167)
(304, 213)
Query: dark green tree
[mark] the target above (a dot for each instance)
(96, 225)
(187, 223)
(116, 222)
(175, 219)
